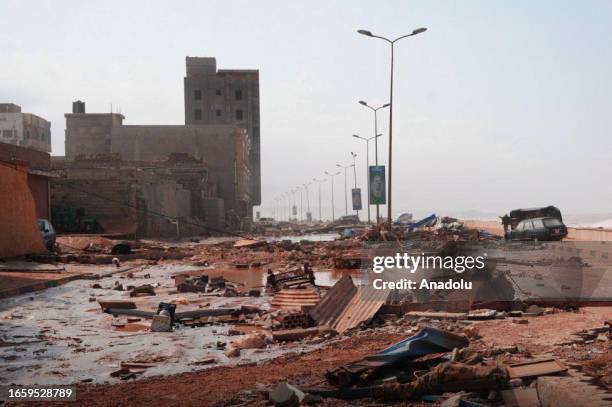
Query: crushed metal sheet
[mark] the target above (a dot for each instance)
(346, 305)
(363, 306)
(334, 302)
(427, 341)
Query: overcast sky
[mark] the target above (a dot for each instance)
(498, 105)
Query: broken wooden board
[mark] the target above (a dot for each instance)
(116, 304)
(248, 243)
(299, 333)
(535, 368)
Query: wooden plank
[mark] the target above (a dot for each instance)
(116, 304)
(535, 368)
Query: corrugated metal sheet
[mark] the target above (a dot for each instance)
(295, 298)
(363, 306)
(334, 302)
(346, 305)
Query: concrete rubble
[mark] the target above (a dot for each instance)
(199, 305)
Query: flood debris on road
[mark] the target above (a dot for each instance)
(189, 306)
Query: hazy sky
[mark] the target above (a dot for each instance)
(498, 105)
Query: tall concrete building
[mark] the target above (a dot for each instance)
(24, 129)
(225, 96)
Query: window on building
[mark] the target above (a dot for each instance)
(197, 114)
(219, 112)
(197, 94)
(238, 114)
(218, 92)
(239, 94)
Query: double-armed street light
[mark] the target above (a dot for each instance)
(376, 135)
(320, 181)
(392, 43)
(331, 177)
(307, 200)
(345, 167)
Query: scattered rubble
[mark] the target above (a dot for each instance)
(195, 306)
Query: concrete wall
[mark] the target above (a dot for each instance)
(103, 191)
(590, 234)
(89, 134)
(573, 233)
(20, 234)
(35, 161)
(168, 198)
(149, 195)
(39, 187)
(224, 150)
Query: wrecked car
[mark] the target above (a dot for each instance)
(541, 229)
(47, 233)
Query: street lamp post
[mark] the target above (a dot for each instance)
(355, 176)
(375, 137)
(320, 181)
(345, 167)
(331, 176)
(307, 200)
(367, 141)
(301, 205)
(392, 43)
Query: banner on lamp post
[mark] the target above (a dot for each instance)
(378, 191)
(356, 199)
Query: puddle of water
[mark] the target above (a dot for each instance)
(256, 277)
(321, 237)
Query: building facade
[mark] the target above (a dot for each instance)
(24, 129)
(225, 96)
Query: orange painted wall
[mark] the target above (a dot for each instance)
(19, 232)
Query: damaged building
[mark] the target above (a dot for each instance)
(156, 180)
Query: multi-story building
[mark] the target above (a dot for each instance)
(24, 129)
(225, 96)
